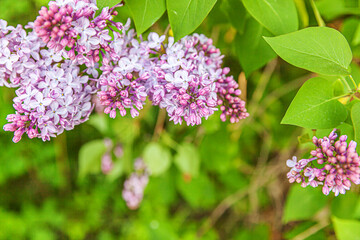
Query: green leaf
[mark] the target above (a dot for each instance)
(106, 3)
(346, 229)
(340, 205)
(260, 231)
(356, 39)
(314, 106)
(331, 9)
(100, 122)
(346, 129)
(304, 16)
(218, 159)
(187, 159)
(349, 27)
(90, 157)
(252, 50)
(302, 227)
(355, 117)
(186, 15)
(303, 203)
(198, 192)
(145, 12)
(116, 171)
(157, 158)
(318, 49)
(235, 12)
(278, 16)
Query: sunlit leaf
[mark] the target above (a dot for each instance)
(314, 106)
(186, 15)
(278, 16)
(145, 12)
(157, 158)
(90, 157)
(318, 49)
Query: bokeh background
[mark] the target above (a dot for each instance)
(224, 181)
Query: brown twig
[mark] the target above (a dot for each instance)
(159, 127)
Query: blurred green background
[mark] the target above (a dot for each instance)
(223, 181)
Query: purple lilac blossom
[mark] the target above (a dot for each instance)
(53, 95)
(187, 80)
(122, 72)
(71, 25)
(134, 186)
(338, 165)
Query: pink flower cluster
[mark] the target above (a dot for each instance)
(337, 165)
(70, 55)
(185, 78)
(52, 95)
(188, 81)
(134, 186)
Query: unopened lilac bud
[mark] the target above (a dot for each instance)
(134, 112)
(325, 190)
(112, 114)
(107, 110)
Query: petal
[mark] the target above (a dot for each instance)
(47, 101)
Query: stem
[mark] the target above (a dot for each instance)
(318, 17)
(167, 30)
(159, 127)
(346, 84)
(353, 81)
(341, 96)
(166, 139)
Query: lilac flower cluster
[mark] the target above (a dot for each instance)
(337, 165)
(134, 186)
(52, 94)
(188, 81)
(185, 78)
(122, 71)
(56, 70)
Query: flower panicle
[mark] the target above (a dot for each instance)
(334, 165)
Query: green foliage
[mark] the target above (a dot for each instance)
(235, 12)
(187, 159)
(145, 12)
(186, 15)
(157, 158)
(346, 229)
(90, 156)
(344, 206)
(257, 232)
(315, 106)
(318, 49)
(355, 113)
(199, 192)
(303, 203)
(252, 50)
(303, 227)
(106, 3)
(228, 180)
(278, 16)
(331, 9)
